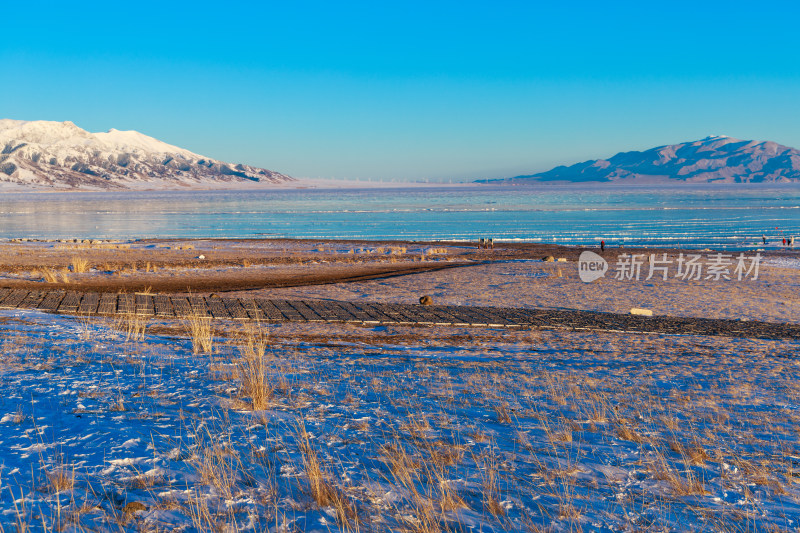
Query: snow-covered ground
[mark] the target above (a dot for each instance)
(417, 429)
(784, 262)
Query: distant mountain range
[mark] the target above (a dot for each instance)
(60, 155)
(715, 159)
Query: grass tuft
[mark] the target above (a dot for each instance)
(79, 265)
(199, 329)
(252, 369)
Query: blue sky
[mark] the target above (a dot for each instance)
(407, 90)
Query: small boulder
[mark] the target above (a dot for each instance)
(426, 300)
(548, 259)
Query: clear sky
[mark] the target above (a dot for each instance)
(407, 90)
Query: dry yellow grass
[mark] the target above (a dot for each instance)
(50, 276)
(201, 333)
(134, 326)
(253, 368)
(490, 485)
(56, 276)
(60, 477)
(503, 416)
(625, 432)
(216, 461)
(321, 488)
(391, 250)
(79, 265)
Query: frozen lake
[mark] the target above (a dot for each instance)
(686, 215)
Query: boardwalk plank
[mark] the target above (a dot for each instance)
(181, 306)
(32, 300)
(375, 316)
(381, 313)
(464, 315)
(271, 312)
(476, 316)
(89, 303)
(235, 309)
(163, 305)
(51, 301)
(4, 292)
(305, 311)
(217, 307)
(360, 315)
(70, 302)
(493, 319)
(511, 315)
(440, 318)
(289, 312)
(126, 304)
(252, 309)
(145, 305)
(445, 313)
(419, 313)
(399, 313)
(199, 306)
(319, 310)
(522, 316)
(453, 313)
(325, 310)
(534, 316)
(426, 314)
(14, 299)
(108, 304)
(341, 313)
(479, 318)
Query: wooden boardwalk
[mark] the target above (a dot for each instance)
(267, 310)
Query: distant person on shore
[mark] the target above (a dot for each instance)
(602, 246)
(791, 241)
(764, 239)
(784, 241)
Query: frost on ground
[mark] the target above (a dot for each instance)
(319, 427)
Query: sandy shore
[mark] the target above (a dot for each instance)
(510, 275)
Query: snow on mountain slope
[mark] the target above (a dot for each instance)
(717, 159)
(45, 154)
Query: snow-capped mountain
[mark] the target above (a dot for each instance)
(45, 154)
(716, 159)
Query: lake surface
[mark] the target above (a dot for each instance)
(732, 217)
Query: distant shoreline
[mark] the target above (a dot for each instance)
(333, 185)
